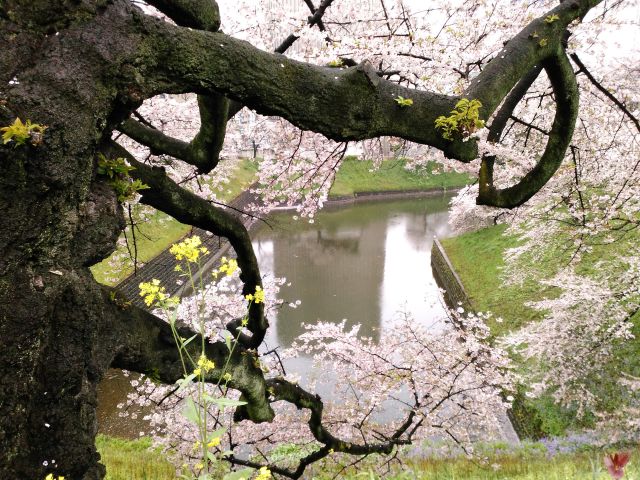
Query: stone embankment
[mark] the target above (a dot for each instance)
(455, 295)
(447, 278)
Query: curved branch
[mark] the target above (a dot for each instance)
(284, 390)
(204, 150)
(147, 346)
(523, 52)
(352, 104)
(314, 19)
(165, 195)
(565, 89)
(511, 102)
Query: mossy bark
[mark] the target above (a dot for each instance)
(56, 325)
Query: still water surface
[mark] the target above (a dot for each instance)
(364, 263)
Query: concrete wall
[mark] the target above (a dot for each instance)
(447, 277)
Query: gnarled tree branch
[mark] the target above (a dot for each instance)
(165, 195)
(565, 89)
(204, 150)
(353, 104)
(147, 346)
(199, 14)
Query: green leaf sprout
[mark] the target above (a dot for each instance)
(119, 177)
(403, 102)
(464, 119)
(19, 133)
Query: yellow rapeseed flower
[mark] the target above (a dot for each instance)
(189, 249)
(152, 292)
(214, 442)
(263, 474)
(258, 297)
(205, 363)
(228, 267)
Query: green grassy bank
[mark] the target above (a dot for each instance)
(478, 259)
(356, 176)
(134, 460)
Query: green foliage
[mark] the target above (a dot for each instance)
(113, 168)
(125, 190)
(537, 418)
(119, 177)
(403, 102)
(336, 63)
(133, 459)
(19, 133)
(551, 18)
(464, 119)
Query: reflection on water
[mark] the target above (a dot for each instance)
(364, 263)
(113, 390)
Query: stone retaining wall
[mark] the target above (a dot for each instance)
(447, 277)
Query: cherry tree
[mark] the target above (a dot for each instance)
(78, 72)
(583, 222)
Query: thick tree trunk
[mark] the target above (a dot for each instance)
(56, 332)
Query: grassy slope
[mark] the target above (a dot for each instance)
(357, 176)
(133, 460)
(478, 258)
(159, 231)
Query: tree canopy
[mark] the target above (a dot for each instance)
(76, 76)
